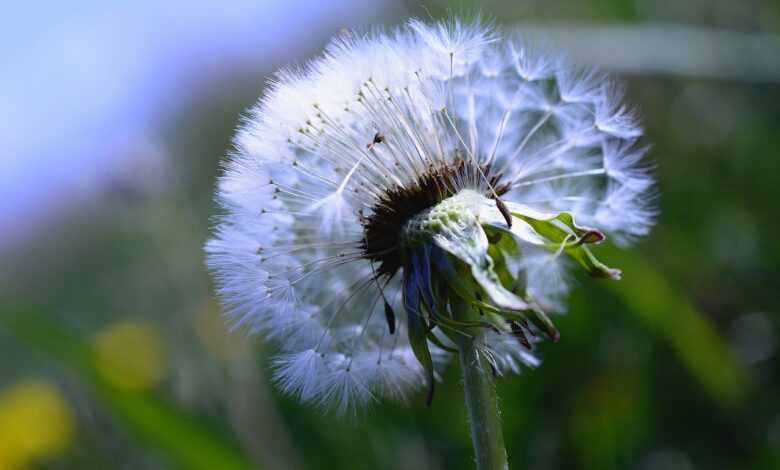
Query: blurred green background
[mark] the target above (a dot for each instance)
(113, 353)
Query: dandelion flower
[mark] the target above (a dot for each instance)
(412, 188)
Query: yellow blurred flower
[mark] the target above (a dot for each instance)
(131, 355)
(35, 423)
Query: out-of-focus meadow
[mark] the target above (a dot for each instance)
(112, 350)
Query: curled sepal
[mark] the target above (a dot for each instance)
(457, 278)
(417, 325)
(466, 241)
(543, 322)
(559, 232)
(595, 268)
(439, 343)
(505, 253)
(519, 333)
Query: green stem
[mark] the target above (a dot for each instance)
(482, 404)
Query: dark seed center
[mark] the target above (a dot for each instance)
(382, 228)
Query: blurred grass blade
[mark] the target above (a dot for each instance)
(664, 310)
(181, 437)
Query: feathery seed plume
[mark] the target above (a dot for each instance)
(402, 174)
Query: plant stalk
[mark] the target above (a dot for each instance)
(482, 404)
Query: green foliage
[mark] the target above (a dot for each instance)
(181, 438)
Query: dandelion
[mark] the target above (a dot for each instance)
(418, 194)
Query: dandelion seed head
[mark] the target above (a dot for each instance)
(400, 171)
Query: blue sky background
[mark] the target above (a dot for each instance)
(83, 82)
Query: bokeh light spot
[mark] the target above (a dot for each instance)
(131, 355)
(35, 424)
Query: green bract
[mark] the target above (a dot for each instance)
(460, 256)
